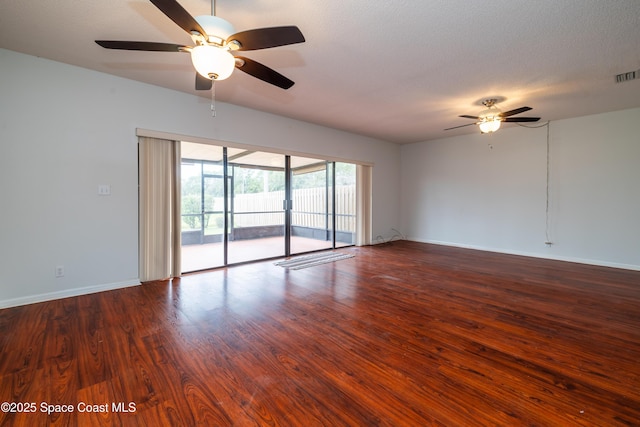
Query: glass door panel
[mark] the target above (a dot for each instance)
(202, 193)
(312, 205)
(256, 221)
(191, 198)
(345, 204)
(213, 212)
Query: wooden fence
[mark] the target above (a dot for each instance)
(310, 208)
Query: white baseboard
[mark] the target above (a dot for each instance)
(32, 299)
(532, 255)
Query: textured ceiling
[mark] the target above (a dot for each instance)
(400, 71)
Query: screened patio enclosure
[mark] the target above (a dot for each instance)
(240, 205)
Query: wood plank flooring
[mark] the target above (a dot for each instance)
(403, 334)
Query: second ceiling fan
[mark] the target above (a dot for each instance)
(490, 119)
(214, 40)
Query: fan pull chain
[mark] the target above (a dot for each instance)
(213, 98)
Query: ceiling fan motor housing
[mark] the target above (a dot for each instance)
(218, 29)
(492, 113)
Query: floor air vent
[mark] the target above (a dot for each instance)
(625, 77)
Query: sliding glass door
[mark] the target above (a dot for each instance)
(242, 205)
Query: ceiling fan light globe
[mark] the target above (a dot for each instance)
(212, 62)
(490, 124)
(490, 119)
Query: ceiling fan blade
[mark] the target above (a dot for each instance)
(516, 111)
(147, 46)
(470, 117)
(521, 119)
(461, 126)
(263, 72)
(203, 83)
(179, 15)
(263, 38)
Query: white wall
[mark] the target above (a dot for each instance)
(65, 130)
(459, 191)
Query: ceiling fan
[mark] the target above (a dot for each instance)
(214, 40)
(490, 119)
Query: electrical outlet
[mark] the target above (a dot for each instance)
(104, 190)
(59, 271)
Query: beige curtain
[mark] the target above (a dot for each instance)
(159, 211)
(363, 204)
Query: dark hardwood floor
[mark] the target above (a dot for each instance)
(404, 334)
